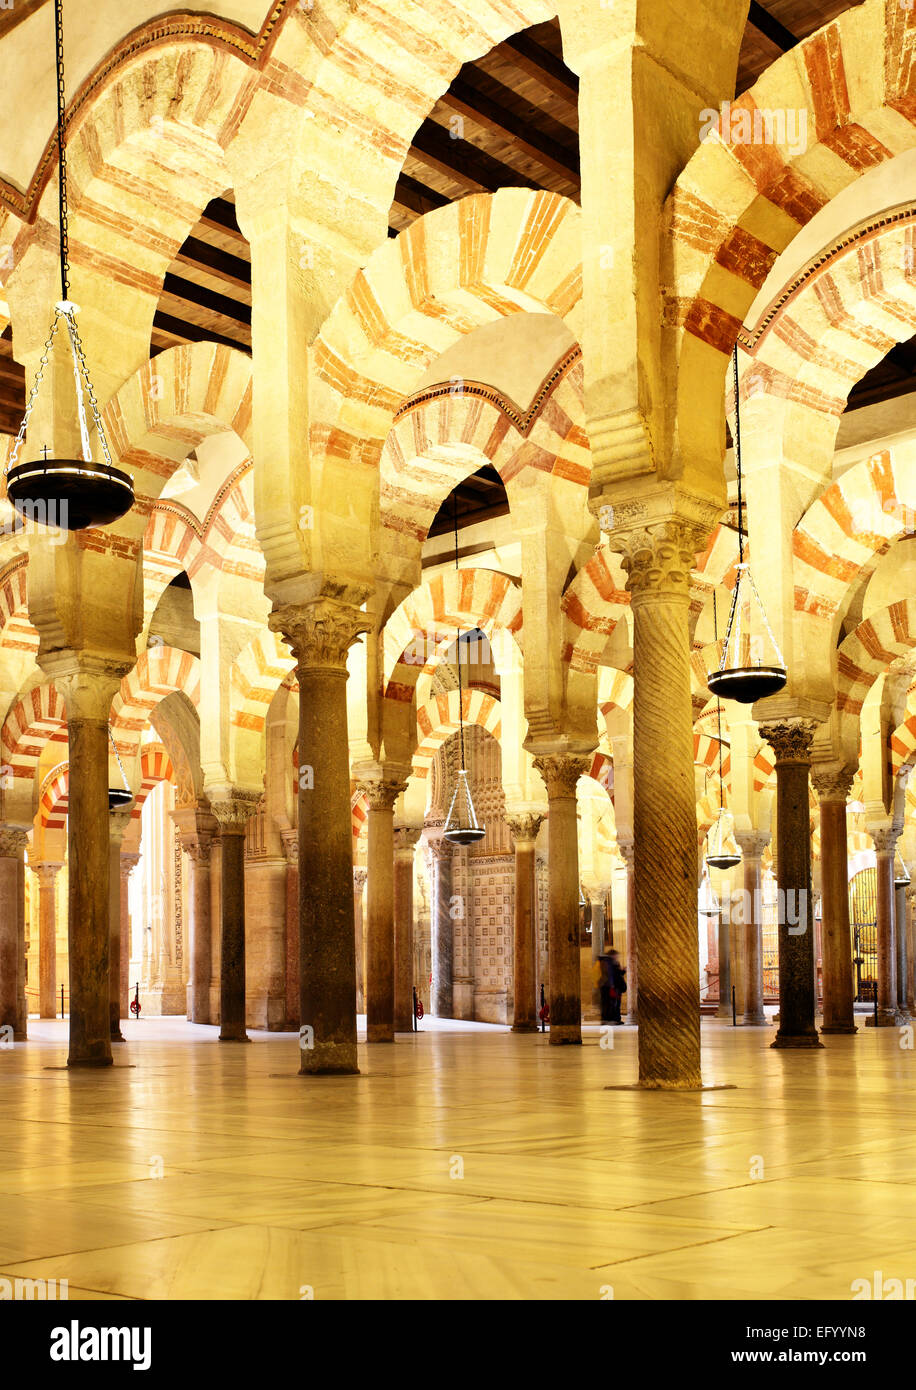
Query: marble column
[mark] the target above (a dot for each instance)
(442, 928)
(405, 840)
(47, 938)
(290, 840)
(233, 808)
(790, 740)
(752, 844)
(320, 634)
(631, 998)
(723, 943)
(128, 863)
(359, 936)
(561, 772)
(832, 784)
(381, 795)
(885, 841)
(196, 828)
(596, 903)
(524, 828)
(910, 895)
(118, 821)
(89, 691)
(13, 843)
(901, 938)
(658, 560)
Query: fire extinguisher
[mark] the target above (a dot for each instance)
(135, 1002)
(417, 1009)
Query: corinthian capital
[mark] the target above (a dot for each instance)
(405, 838)
(320, 634)
(832, 781)
(12, 842)
(790, 739)
(561, 772)
(234, 809)
(382, 793)
(658, 559)
(524, 827)
(885, 837)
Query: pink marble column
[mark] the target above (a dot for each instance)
(381, 795)
(752, 846)
(118, 821)
(885, 840)
(291, 847)
(405, 840)
(832, 785)
(128, 863)
(197, 829)
(525, 827)
(13, 843)
(47, 938)
(561, 772)
(631, 998)
(233, 808)
(359, 884)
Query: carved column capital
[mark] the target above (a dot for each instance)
(46, 873)
(561, 772)
(524, 827)
(118, 821)
(832, 781)
(885, 838)
(627, 851)
(752, 843)
(290, 840)
(790, 739)
(658, 558)
(405, 839)
(360, 875)
(439, 848)
(382, 793)
(13, 842)
(234, 809)
(128, 863)
(88, 684)
(320, 634)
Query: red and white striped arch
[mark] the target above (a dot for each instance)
(254, 679)
(160, 671)
(438, 719)
(16, 632)
(870, 649)
(37, 717)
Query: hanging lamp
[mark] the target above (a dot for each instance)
(69, 493)
(901, 873)
(754, 681)
(708, 904)
(461, 824)
(718, 855)
(119, 797)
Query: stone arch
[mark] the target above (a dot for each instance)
(438, 719)
(735, 206)
(256, 674)
(37, 716)
(870, 649)
(159, 671)
(16, 632)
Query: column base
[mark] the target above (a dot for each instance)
(839, 1028)
(20, 1036)
(755, 1020)
(887, 1018)
(118, 1037)
(524, 1027)
(671, 1086)
(379, 1033)
(796, 1040)
(80, 1062)
(564, 1034)
(234, 1037)
(330, 1059)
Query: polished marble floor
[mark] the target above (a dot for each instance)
(464, 1162)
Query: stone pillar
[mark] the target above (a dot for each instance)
(13, 843)
(658, 560)
(404, 841)
(723, 941)
(832, 785)
(89, 691)
(359, 936)
(197, 829)
(631, 998)
(790, 740)
(524, 828)
(885, 840)
(128, 863)
(47, 938)
(752, 846)
(442, 928)
(561, 772)
(381, 795)
(118, 821)
(320, 634)
(910, 894)
(901, 936)
(596, 902)
(233, 809)
(291, 849)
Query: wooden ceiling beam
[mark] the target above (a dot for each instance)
(464, 163)
(771, 28)
(412, 196)
(183, 332)
(538, 62)
(490, 114)
(206, 299)
(231, 269)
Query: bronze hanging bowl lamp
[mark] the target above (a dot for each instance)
(901, 873)
(69, 493)
(718, 854)
(119, 798)
(461, 824)
(737, 679)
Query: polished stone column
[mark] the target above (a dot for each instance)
(885, 840)
(910, 895)
(320, 634)
(233, 808)
(832, 783)
(524, 828)
(790, 740)
(723, 947)
(381, 795)
(47, 938)
(404, 841)
(631, 998)
(290, 840)
(752, 846)
(442, 928)
(659, 560)
(89, 691)
(118, 821)
(196, 829)
(128, 863)
(596, 903)
(561, 772)
(901, 937)
(360, 876)
(13, 841)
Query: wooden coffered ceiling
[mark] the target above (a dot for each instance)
(508, 119)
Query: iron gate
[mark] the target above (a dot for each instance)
(863, 922)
